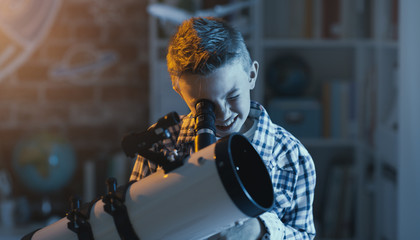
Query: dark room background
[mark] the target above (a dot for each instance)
(73, 72)
(77, 75)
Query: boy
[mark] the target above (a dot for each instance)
(208, 59)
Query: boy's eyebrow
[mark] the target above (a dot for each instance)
(194, 101)
(231, 91)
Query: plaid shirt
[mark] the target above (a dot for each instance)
(289, 164)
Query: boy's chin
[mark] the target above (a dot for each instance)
(221, 134)
(233, 128)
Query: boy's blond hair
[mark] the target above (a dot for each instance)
(202, 45)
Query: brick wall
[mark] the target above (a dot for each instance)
(86, 79)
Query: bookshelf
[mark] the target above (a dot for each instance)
(409, 116)
(344, 43)
(350, 45)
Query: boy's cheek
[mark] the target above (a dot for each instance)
(192, 109)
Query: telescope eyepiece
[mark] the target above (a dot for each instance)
(204, 124)
(204, 117)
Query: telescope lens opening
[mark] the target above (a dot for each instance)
(244, 175)
(252, 173)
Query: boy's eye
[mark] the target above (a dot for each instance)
(233, 97)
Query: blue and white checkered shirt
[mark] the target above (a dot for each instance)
(290, 166)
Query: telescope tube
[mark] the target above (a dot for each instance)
(217, 186)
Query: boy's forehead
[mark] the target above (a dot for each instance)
(225, 75)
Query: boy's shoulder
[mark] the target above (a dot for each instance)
(266, 126)
(278, 142)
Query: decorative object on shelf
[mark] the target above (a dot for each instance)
(176, 12)
(44, 162)
(301, 117)
(288, 76)
(167, 12)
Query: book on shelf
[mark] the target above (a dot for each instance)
(338, 100)
(389, 210)
(364, 19)
(339, 200)
(289, 18)
(368, 113)
(330, 18)
(276, 19)
(390, 23)
(394, 19)
(343, 19)
(308, 31)
(327, 19)
(297, 18)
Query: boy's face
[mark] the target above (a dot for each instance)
(228, 87)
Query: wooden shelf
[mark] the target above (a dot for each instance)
(328, 142)
(311, 43)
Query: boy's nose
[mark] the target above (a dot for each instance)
(222, 112)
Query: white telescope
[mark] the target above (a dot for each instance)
(222, 183)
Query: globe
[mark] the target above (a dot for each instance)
(44, 162)
(288, 76)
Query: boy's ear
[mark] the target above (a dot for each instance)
(175, 85)
(176, 89)
(253, 74)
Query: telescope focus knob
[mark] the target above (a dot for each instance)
(78, 220)
(74, 203)
(111, 184)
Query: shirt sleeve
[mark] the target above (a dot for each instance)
(274, 228)
(142, 168)
(294, 186)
